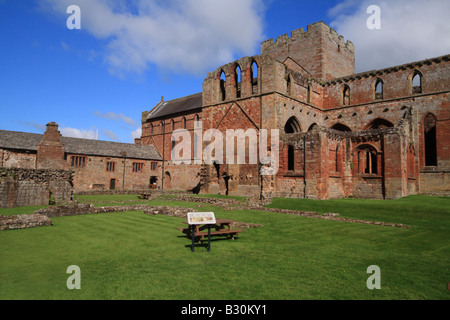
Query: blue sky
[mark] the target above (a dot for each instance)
(127, 54)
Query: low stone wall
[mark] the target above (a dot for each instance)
(214, 201)
(127, 192)
(24, 221)
(85, 208)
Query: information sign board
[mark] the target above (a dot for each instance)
(201, 218)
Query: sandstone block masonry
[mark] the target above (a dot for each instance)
(34, 187)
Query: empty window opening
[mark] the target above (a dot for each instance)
(379, 90)
(371, 162)
(417, 83)
(291, 158)
(292, 126)
(288, 85)
(254, 77)
(184, 123)
(430, 141)
(308, 94)
(222, 86)
(237, 78)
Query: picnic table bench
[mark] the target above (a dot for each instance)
(222, 227)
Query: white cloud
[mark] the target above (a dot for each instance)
(117, 117)
(179, 35)
(136, 134)
(110, 134)
(411, 30)
(37, 126)
(79, 133)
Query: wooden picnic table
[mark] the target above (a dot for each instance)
(222, 227)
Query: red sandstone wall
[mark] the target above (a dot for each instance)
(94, 175)
(17, 159)
(320, 50)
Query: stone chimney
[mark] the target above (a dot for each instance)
(50, 152)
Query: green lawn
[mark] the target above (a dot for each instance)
(137, 256)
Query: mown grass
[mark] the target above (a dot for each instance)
(137, 256)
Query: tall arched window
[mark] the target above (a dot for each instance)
(172, 124)
(288, 85)
(196, 121)
(237, 81)
(254, 77)
(223, 80)
(416, 82)
(308, 93)
(429, 125)
(379, 89)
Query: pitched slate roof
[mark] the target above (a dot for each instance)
(165, 108)
(30, 142)
(20, 140)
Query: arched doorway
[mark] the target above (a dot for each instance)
(168, 180)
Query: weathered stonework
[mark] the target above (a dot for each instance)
(27, 187)
(380, 134)
(24, 221)
(97, 165)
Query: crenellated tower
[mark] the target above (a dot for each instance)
(320, 50)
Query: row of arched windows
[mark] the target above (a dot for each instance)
(367, 159)
(162, 124)
(237, 77)
(415, 87)
(293, 125)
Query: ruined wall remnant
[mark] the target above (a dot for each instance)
(28, 187)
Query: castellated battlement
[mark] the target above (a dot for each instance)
(313, 30)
